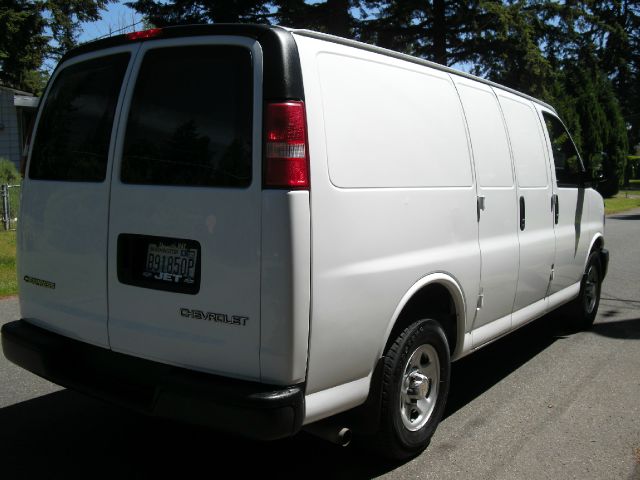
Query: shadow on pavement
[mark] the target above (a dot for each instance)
(622, 329)
(477, 373)
(65, 434)
(625, 217)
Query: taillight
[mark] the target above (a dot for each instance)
(286, 162)
(142, 34)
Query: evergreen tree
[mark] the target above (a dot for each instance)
(65, 17)
(507, 48)
(184, 12)
(22, 41)
(614, 31)
(436, 30)
(26, 28)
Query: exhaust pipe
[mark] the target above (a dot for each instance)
(330, 432)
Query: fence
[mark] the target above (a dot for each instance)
(10, 195)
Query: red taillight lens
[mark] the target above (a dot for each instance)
(142, 34)
(286, 159)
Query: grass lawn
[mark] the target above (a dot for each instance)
(8, 281)
(624, 200)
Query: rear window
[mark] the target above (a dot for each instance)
(74, 131)
(190, 121)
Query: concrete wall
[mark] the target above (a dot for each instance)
(10, 147)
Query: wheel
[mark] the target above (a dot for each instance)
(582, 311)
(415, 386)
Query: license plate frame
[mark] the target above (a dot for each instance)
(159, 263)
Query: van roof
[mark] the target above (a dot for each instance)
(275, 39)
(412, 59)
(282, 75)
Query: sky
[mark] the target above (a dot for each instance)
(117, 16)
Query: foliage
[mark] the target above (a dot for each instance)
(65, 17)
(22, 42)
(34, 30)
(8, 172)
(184, 12)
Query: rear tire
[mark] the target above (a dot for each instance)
(582, 311)
(415, 385)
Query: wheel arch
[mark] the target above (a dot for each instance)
(597, 243)
(439, 295)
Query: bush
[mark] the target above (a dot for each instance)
(8, 172)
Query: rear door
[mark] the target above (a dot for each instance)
(184, 223)
(65, 199)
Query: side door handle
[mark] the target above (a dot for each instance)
(556, 207)
(522, 214)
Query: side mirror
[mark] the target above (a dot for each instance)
(590, 178)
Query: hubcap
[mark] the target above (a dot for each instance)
(591, 289)
(419, 389)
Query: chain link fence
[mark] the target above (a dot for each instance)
(10, 195)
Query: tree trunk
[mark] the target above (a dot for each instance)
(338, 18)
(439, 32)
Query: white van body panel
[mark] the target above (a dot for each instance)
(370, 243)
(227, 224)
(285, 286)
(62, 239)
(334, 400)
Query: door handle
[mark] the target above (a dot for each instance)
(522, 214)
(556, 208)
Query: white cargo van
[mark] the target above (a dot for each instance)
(258, 229)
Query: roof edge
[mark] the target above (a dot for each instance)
(410, 58)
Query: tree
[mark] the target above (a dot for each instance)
(507, 48)
(22, 41)
(65, 17)
(27, 28)
(614, 30)
(184, 12)
(435, 30)
(331, 16)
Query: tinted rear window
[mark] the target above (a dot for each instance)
(190, 121)
(72, 140)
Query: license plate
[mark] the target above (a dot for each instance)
(159, 263)
(174, 263)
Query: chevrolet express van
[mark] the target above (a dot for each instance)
(262, 229)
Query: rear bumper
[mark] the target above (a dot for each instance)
(254, 410)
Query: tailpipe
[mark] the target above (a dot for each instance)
(331, 432)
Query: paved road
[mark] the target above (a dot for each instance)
(539, 404)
